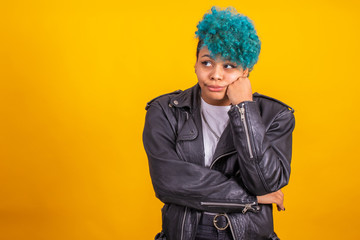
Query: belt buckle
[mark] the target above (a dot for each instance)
(215, 222)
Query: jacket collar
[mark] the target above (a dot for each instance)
(189, 98)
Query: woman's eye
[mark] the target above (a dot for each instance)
(206, 63)
(229, 66)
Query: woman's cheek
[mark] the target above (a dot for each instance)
(233, 79)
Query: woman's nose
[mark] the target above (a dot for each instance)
(217, 73)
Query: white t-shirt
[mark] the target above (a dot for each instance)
(214, 120)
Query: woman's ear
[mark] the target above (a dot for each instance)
(246, 72)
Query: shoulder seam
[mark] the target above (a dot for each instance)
(273, 99)
(284, 113)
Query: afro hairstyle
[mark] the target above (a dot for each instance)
(230, 34)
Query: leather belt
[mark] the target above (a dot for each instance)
(219, 221)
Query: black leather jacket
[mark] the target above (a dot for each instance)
(252, 158)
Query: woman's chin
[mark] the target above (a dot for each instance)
(219, 99)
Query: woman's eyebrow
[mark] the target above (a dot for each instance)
(206, 55)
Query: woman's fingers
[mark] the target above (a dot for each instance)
(274, 197)
(239, 90)
(280, 200)
(280, 207)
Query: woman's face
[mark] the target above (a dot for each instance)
(214, 75)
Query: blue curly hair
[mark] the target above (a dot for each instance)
(230, 34)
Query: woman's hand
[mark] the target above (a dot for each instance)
(274, 197)
(239, 91)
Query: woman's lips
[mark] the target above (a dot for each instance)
(215, 88)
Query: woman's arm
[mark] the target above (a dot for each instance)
(264, 154)
(184, 183)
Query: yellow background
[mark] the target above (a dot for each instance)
(74, 80)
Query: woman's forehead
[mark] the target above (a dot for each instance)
(204, 52)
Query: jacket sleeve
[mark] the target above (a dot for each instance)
(184, 183)
(264, 153)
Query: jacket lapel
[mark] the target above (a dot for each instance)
(225, 144)
(190, 137)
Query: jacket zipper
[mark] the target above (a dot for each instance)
(246, 207)
(183, 224)
(223, 155)
(243, 120)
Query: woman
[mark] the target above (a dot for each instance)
(218, 154)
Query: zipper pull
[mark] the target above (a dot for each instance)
(242, 111)
(247, 207)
